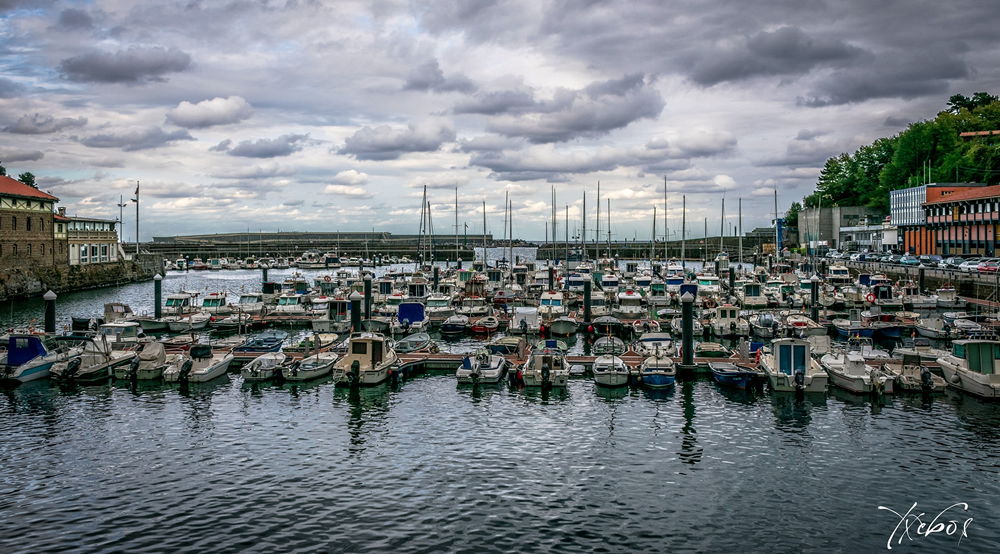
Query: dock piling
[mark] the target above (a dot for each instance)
(50, 311)
(586, 301)
(368, 297)
(814, 298)
(355, 311)
(552, 278)
(687, 330)
(263, 273)
(157, 296)
(436, 278)
(921, 280)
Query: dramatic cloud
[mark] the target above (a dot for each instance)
(784, 51)
(72, 19)
(429, 76)
(498, 102)
(590, 112)
(217, 111)
(10, 89)
(136, 139)
(389, 143)
(7, 156)
(265, 148)
(135, 65)
(39, 124)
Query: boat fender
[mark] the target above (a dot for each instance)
(757, 357)
(956, 379)
(327, 279)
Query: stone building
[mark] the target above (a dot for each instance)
(27, 231)
(91, 240)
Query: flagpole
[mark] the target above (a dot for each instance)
(136, 200)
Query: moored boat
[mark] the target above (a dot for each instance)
(657, 371)
(199, 366)
(546, 367)
(310, 367)
(369, 359)
(973, 366)
(610, 371)
(789, 367)
(731, 375)
(30, 356)
(265, 367)
(482, 367)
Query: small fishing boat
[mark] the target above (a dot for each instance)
(261, 343)
(730, 375)
(563, 326)
(607, 325)
(524, 321)
(411, 318)
(455, 325)
(416, 342)
(651, 343)
(515, 347)
(149, 364)
(94, 364)
(369, 359)
(711, 350)
(483, 367)
(552, 343)
(764, 325)
(642, 326)
(973, 366)
(657, 371)
(546, 367)
(187, 323)
(677, 326)
(726, 322)
(265, 367)
(310, 367)
(485, 325)
(790, 367)
(802, 326)
(936, 328)
(912, 376)
(199, 366)
(609, 345)
(30, 357)
(849, 371)
(610, 371)
(316, 342)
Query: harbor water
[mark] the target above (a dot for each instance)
(429, 466)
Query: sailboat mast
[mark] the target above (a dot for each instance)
(777, 251)
(430, 231)
(722, 226)
(740, 231)
(566, 235)
(609, 227)
(484, 234)
(457, 262)
(583, 237)
(684, 214)
(652, 243)
(597, 232)
(666, 230)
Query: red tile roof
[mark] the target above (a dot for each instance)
(62, 218)
(969, 194)
(978, 133)
(13, 187)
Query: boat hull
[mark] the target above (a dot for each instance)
(740, 379)
(657, 380)
(610, 378)
(961, 379)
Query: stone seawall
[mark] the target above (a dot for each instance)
(25, 280)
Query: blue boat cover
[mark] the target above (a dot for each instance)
(24, 348)
(689, 287)
(755, 346)
(411, 312)
(551, 343)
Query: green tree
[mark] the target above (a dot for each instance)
(3, 170)
(27, 178)
(792, 215)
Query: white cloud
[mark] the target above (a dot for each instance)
(217, 111)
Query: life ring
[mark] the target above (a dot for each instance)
(870, 298)
(327, 278)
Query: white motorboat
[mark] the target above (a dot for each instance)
(524, 321)
(801, 325)
(199, 366)
(974, 367)
(187, 323)
(629, 306)
(179, 304)
(651, 344)
(610, 371)
(726, 322)
(94, 364)
(546, 367)
(455, 325)
(790, 367)
(551, 305)
(251, 303)
(368, 361)
(122, 334)
(310, 367)
(483, 367)
(677, 326)
(264, 367)
(215, 303)
(563, 326)
(439, 307)
(848, 370)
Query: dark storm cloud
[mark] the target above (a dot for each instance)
(903, 76)
(20, 155)
(389, 143)
(785, 51)
(268, 148)
(429, 76)
(138, 139)
(135, 65)
(10, 89)
(590, 112)
(72, 19)
(38, 124)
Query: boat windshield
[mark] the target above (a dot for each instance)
(249, 299)
(288, 300)
(177, 302)
(211, 302)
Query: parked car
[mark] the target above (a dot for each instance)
(894, 259)
(858, 257)
(950, 263)
(909, 260)
(989, 265)
(885, 258)
(970, 264)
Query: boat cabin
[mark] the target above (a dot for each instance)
(116, 311)
(509, 346)
(369, 349)
(791, 355)
(629, 298)
(122, 331)
(549, 299)
(980, 356)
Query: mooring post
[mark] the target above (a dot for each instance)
(732, 281)
(921, 281)
(437, 277)
(50, 311)
(687, 330)
(157, 296)
(263, 273)
(355, 311)
(814, 298)
(368, 297)
(552, 278)
(586, 301)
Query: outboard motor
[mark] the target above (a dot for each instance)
(800, 380)
(133, 370)
(524, 326)
(355, 375)
(185, 371)
(294, 368)
(546, 376)
(72, 367)
(926, 379)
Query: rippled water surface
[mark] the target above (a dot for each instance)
(431, 467)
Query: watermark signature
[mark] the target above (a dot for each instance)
(913, 525)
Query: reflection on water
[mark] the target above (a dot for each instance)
(489, 468)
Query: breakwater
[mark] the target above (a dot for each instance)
(24, 280)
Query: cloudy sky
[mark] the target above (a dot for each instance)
(332, 115)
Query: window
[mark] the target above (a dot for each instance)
(359, 348)
(28, 223)
(29, 247)
(41, 224)
(13, 223)
(15, 250)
